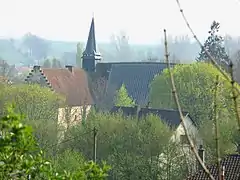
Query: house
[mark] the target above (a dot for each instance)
(172, 119)
(230, 167)
(70, 82)
(169, 116)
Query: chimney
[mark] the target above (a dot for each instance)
(69, 67)
(201, 153)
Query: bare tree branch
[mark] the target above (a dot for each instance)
(213, 61)
(193, 148)
(216, 126)
(234, 96)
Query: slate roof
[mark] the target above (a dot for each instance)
(73, 85)
(136, 77)
(91, 47)
(169, 116)
(232, 169)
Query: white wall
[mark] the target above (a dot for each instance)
(186, 149)
(65, 121)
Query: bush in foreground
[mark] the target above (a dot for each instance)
(22, 159)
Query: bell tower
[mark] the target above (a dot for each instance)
(90, 55)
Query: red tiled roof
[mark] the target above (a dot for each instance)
(73, 85)
(232, 169)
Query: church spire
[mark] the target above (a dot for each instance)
(90, 55)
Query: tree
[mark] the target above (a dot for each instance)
(7, 71)
(214, 45)
(227, 141)
(80, 49)
(47, 64)
(122, 49)
(122, 98)
(56, 63)
(131, 146)
(39, 105)
(194, 84)
(22, 159)
(236, 67)
(36, 46)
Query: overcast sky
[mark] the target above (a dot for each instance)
(143, 20)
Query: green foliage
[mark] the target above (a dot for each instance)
(68, 160)
(131, 146)
(227, 138)
(195, 84)
(80, 49)
(21, 159)
(214, 45)
(122, 98)
(40, 107)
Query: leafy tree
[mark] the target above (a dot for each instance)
(68, 160)
(122, 98)
(194, 84)
(7, 70)
(227, 141)
(47, 64)
(21, 158)
(80, 49)
(39, 105)
(131, 146)
(214, 45)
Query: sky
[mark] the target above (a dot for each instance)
(142, 20)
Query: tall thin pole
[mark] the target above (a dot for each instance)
(217, 128)
(95, 144)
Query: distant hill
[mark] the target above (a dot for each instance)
(31, 49)
(9, 53)
(15, 51)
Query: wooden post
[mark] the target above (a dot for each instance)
(95, 144)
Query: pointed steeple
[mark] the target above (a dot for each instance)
(90, 55)
(91, 47)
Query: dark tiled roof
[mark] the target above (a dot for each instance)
(232, 169)
(91, 47)
(72, 85)
(104, 68)
(127, 111)
(169, 116)
(136, 77)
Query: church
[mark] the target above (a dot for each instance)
(96, 82)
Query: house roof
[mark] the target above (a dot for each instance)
(136, 77)
(73, 85)
(169, 116)
(232, 169)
